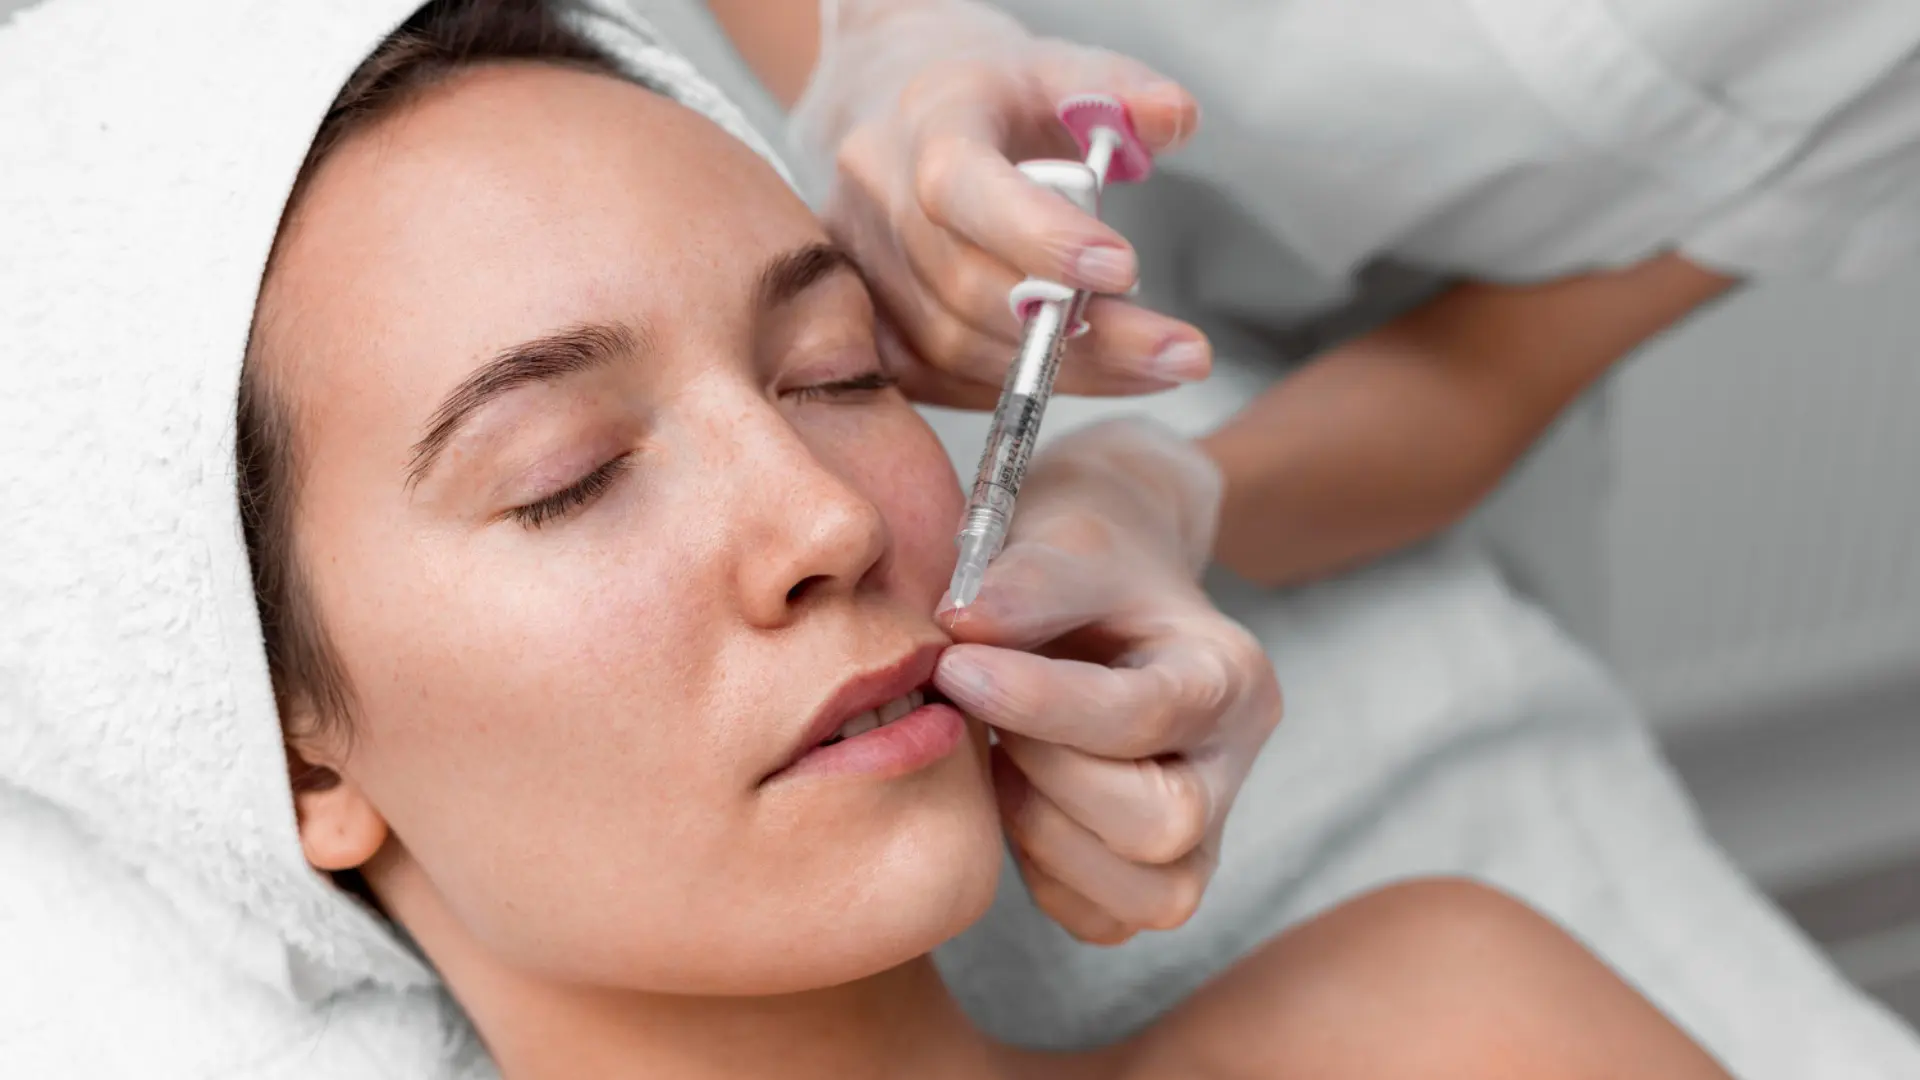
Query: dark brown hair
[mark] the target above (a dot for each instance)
(439, 39)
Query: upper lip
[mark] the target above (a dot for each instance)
(866, 692)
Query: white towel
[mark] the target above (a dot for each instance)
(156, 916)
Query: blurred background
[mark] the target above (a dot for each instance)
(1762, 551)
(1757, 582)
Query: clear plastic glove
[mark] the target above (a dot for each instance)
(916, 111)
(1128, 708)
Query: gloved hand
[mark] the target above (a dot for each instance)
(1128, 709)
(918, 108)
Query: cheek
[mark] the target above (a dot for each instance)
(549, 693)
(518, 660)
(899, 464)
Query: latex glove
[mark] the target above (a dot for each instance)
(1128, 709)
(915, 112)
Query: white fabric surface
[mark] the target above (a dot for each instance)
(156, 916)
(1519, 139)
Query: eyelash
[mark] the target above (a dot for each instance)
(868, 383)
(576, 495)
(585, 490)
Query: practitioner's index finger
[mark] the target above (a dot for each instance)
(1164, 116)
(970, 188)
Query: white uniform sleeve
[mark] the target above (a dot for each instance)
(1847, 206)
(1529, 139)
(1782, 135)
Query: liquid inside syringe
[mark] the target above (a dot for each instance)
(1003, 463)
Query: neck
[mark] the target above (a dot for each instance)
(901, 1022)
(898, 1023)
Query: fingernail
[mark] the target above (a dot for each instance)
(1171, 96)
(950, 615)
(1105, 269)
(1182, 130)
(961, 678)
(1177, 99)
(1180, 361)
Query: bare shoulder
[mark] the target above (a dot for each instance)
(1429, 979)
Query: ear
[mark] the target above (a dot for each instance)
(339, 827)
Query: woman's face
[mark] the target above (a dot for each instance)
(606, 510)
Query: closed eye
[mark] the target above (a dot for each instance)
(871, 382)
(576, 496)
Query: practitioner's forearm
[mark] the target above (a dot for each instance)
(1386, 441)
(1360, 454)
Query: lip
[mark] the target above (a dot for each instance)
(901, 748)
(863, 693)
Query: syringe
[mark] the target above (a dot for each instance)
(1052, 313)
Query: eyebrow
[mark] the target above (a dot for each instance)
(592, 345)
(787, 276)
(543, 359)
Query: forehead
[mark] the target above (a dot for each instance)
(514, 198)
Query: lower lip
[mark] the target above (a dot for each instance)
(909, 744)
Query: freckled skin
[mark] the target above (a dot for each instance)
(566, 726)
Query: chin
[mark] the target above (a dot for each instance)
(863, 941)
(832, 944)
(896, 887)
(913, 909)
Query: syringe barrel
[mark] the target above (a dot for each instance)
(1022, 406)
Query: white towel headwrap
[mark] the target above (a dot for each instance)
(146, 151)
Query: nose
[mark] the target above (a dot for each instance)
(813, 535)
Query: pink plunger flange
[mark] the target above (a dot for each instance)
(1132, 161)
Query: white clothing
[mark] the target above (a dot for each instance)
(1354, 154)
(1521, 139)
